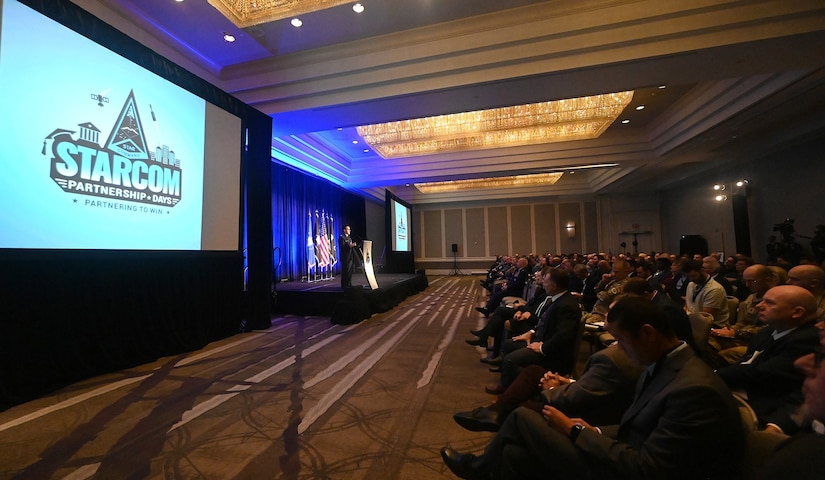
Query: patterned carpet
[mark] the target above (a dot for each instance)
(304, 399)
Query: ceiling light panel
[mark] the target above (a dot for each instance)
(546, 122)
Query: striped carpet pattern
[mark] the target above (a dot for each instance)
(304, 399)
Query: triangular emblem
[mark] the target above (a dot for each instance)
(127, 137)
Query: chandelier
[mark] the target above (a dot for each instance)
(546, 122)
(245, 13)
(496, 182)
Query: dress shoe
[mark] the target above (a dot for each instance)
(490, 360)
(495, 369)
(463, 465)
(477, 342)
(477, 333)
(495, 389)
(482, 419)
(483, 310)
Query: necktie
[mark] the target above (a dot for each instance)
(548, 301)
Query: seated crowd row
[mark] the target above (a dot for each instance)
(683, 346)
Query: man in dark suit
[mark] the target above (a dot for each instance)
(766, 373)
(346, 250)
(552, 343)
(683, 423)
(600, 396)
(521, 318)
(801, 457)
(513, 287)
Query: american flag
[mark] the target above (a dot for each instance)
(323, 243)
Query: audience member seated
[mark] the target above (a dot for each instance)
(522, 318)
(644, 270)
(812, 279)
(551, 344)
(587, 294)
(683, 423)
(766, 373)
(677, 316)
(576, 281)
(800, 457)
(728, 345)
(676, 287)
(663, 273)
(735, 278)
(513, 286)
(705, 295)
(600, 396)
(494, 273)
(712, 267)
(611, 285)
(589, 298)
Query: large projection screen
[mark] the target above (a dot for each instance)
(100, 153)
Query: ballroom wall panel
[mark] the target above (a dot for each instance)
(433, 233)
(499, 230)
(546, 227)
(522, 232)
(476, 228)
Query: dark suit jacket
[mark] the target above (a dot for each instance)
(516, 282)
(534, 302)
(557, 330)
(603, 392)
(773, 385)
(589, 291)
(684, 425)
(799, 458)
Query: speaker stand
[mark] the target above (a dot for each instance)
(456, 270)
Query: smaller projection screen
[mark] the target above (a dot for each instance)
(400, 231)
(100, 153)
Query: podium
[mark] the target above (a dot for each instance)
(366, 250)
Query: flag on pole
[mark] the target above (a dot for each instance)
(319, 252)
(323, 244)
(310, 244)
(333, 245)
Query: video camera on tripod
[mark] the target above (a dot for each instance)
(786, 229)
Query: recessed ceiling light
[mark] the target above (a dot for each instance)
(296, 22)
(355, 142)
(625, 121)
(179, 1)
(357, 8)
(662, 87)
(640, 107)
(228, 37)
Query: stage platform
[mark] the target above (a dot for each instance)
(327, 298)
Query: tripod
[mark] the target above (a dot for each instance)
(455, 270)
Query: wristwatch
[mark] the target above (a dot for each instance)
(575, 431)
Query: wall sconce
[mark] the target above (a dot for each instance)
(571, 229)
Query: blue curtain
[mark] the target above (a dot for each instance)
(294, 196)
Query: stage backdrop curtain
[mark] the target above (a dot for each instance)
(294, 195)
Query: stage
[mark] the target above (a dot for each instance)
(327, 298)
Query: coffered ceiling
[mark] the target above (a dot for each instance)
(721, 82)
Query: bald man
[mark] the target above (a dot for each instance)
(766, 373)
(812, 279)
(729, 344)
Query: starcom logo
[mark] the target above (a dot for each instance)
(123, 168)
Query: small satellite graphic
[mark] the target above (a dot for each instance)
(100, 99)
